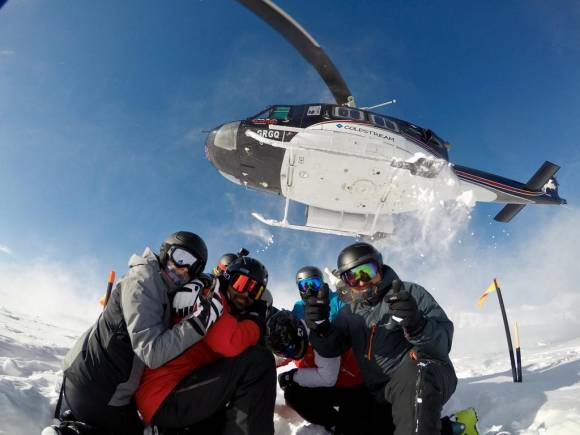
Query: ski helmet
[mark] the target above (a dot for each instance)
(189, 242)
(309, 279)
(223, 263)
(362, 256)
(357, 254)
(287, 336)
(247, 275)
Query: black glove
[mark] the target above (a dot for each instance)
(403, 309)
(256, 313)
(286, 379)
(317, 310)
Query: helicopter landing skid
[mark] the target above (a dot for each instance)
(286, 224)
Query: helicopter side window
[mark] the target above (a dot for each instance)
(348, 113)
(416, 132)
(380, 121)
(281, 113)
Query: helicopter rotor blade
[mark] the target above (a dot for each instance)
(306, 45)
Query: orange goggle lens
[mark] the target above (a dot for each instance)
(245, 284)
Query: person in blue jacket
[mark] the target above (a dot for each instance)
(309, 280)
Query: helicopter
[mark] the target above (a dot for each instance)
(351, 167)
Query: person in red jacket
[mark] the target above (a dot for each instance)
(227, 373)
(324, 391)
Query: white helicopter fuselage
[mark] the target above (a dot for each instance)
(351, 167)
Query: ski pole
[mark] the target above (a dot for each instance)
(518, 355)
(507, 330)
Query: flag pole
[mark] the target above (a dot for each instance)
(507, 330)
(518, 354)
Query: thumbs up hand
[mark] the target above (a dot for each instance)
(403, 309)
(317, 310)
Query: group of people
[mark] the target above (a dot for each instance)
(180, 351)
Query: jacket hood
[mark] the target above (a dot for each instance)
(148, 257)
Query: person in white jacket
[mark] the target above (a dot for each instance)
(324, 391)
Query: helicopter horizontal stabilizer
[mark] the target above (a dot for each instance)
(543, 180)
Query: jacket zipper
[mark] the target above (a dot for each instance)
(370, 346)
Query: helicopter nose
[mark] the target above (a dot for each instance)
(221, 149)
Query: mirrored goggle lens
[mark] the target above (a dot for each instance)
(309, 285)
(182, 258)
(362, 273)
(244, 284)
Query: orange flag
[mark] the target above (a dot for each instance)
(492, 287)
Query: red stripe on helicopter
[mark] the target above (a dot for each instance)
(486, 181)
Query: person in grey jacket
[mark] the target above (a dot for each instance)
(400, 336)
(103, 369)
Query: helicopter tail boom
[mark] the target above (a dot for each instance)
(541, 188)
(540, 181)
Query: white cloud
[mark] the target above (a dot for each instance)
(261, 232)
(5, 250)
(65, 292)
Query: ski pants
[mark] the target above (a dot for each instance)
(415, 396)
(347, 410)
(108, 420)
(242, 390)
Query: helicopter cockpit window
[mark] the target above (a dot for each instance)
(281, 113)
(265, 114)
(383, 122)
(348, 113)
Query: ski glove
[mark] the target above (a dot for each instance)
(286, 379)
(207, 312)
(257, 313)
(403, 309)
(317, 311)
(185, 299)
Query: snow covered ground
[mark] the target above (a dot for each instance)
(547, 402)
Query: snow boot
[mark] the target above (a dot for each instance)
(462, 422)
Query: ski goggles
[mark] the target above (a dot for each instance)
(309, 286)
(244, 284)
(359, 275)
(181, 257)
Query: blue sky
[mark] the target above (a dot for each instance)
(103, 107)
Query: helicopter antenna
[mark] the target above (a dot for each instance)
(393, 101)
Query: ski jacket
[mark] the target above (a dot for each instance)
(132, 332)
(227, 337)
(315, 370)
(335, 306)
(378, 342)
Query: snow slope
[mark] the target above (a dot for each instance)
(547, 402)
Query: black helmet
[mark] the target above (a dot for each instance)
(287, 336)
(248, 266)
(191, 243)
(309, 272)
(356, 254)
(224, 262)
(309, 279)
